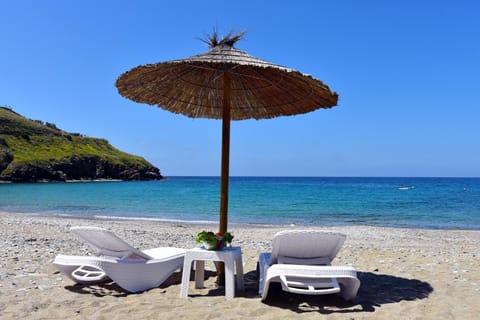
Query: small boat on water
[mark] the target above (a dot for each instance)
(406, 187)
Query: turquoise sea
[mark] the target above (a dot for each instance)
(445, 203)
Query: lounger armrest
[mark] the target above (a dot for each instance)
(306, 285)
(88, 273)
(346, 277)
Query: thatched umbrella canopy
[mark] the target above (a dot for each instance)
(229, 84)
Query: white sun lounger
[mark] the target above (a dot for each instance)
(301, 261)
(130, 268)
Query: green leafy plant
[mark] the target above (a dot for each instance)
(214, 241)
(227, 238)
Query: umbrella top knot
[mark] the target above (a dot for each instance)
(229, 40)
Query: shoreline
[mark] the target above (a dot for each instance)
(405, 274)
(234, 224)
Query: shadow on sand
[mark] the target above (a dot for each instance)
(375, 291)
(109, 288)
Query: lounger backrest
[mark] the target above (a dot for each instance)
(108, 244)
(320, 247)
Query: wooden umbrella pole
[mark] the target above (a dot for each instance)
(227, 100)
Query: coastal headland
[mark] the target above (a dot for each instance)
(34, 151)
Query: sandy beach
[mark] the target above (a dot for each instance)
(405, 274)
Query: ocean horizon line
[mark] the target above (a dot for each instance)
(302, 176)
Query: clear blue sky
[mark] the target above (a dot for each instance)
(407, 72)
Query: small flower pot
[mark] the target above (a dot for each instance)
(210, 245)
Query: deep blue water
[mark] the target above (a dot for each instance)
(446, 203)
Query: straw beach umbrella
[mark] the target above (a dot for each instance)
(229, 84)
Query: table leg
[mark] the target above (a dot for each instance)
(199, 273)
(239, 279)
(187, 267)
(229, 278)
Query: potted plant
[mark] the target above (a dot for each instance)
(213, 241)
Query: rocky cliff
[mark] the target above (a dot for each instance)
(33, 151)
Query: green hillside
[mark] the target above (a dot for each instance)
(31, 150)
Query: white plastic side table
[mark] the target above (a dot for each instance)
(231, 256)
